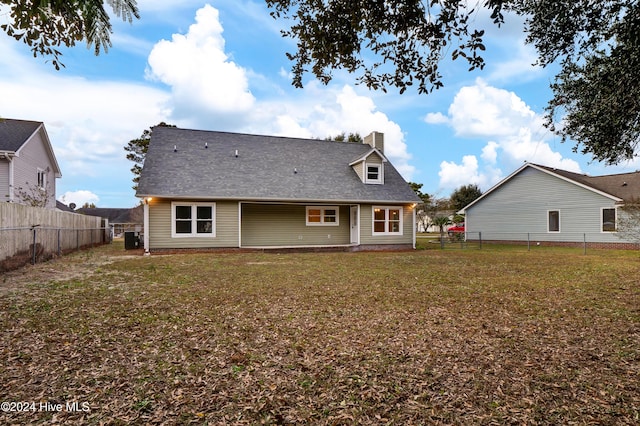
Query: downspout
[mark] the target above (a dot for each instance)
(11, 179)
(413, 210)
(146, 225)
(9, 158)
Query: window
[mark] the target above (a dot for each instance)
(608, 220)
(374, 173)
(387, 220)
(42, 179)
(323, 216)
(553, 221)
(193, 219)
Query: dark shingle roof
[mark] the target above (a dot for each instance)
(623, 185)
(266, 168)
(115, 215)
(14, 133)
(63, 207)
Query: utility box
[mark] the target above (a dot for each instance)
(131, 241)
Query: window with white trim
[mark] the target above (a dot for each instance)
(373, 173)
(193, 219)
(608, 220)
(553, 221)
(387, 220)
(323, 216)
(42, 179)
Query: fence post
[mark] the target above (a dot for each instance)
(480, 239)
(33, 254)
(59, 243)
(441, 240)
(77, 239)
(528, 242)
(584, 237)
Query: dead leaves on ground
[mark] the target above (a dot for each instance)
(367, 338)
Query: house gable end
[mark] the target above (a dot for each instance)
(548, 170)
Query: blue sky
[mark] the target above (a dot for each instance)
(221, 65)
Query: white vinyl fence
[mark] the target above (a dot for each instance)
(33, 234)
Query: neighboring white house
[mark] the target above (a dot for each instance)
(28, 166)
(542, 203)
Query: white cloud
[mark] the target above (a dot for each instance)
(454, 175)
(79, 198)
(436, 118)
(516, 134)
(485, 111)
(212, 92)
(329, 111)
(490, 152)
(202, 78)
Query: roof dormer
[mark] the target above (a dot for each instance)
(370, 166)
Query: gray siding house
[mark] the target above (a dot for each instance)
(28, 166)
(206, 189)
(542, 203)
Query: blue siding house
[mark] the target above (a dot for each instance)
(544, 204)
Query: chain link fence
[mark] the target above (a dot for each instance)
(525, 240)
(24, 245)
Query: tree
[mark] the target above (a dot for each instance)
(417, 188)
(596, 97)
(629, 221)
(464, 195)
(137, 151)
(441, 222)
(88, 205)
(34, 195)
(45, 25)
(422, 216)
(409, 35)
(401, 43)
(342, 137)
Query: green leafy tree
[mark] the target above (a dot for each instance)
(45, 25)
(402, 43)
(342, 137)
(422, 215)
(441, 222)
(137, 151)
(417, 188)
(464, 195)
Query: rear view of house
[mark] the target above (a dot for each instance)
(205, 189)
(28, 166)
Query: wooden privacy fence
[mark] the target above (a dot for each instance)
(33, 234)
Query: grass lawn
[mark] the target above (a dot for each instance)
(424, 337)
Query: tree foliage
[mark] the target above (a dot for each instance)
(407, 37)
(137, 151)
(596, 94)
(441, 222)
(400, 43)
(464, 195)
(417, 188)
(45, 25)
(343, 137)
